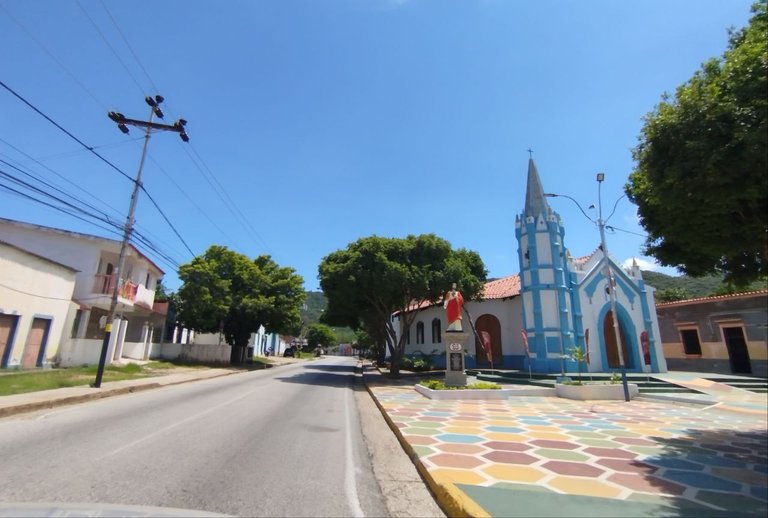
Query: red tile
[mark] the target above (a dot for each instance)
(508, 457)
(508, 446)
(576, 469)
(451, 460)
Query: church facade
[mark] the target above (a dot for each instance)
(556, 303)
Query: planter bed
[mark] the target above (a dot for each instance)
(595, 391)
(476, 394)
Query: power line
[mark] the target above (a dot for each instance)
(610, 227)
(114, 52)
(149, 244)
(127, 44)
(89, 148)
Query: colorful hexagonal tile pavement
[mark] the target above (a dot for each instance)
(546, 456)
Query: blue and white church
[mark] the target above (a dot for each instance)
(565, 302)
(557, 302)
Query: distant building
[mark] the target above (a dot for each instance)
(725, 334)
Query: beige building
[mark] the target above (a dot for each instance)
(726, 334)
(35, 307)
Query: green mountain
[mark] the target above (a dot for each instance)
(695, 287)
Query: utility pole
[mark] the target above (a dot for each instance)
(611, 287)
(121, 120)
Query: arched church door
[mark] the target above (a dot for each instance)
(491, 325)
(611, 349)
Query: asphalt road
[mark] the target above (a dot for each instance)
(279, 442)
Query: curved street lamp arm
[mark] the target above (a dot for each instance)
(552, 195)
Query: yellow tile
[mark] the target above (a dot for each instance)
(584, 486)
(496, 422)
(548, 436)
(508, 437)
(514, 473)
(456, 476)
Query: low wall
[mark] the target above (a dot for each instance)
(192, 352)
(133, 350)
(79, 351)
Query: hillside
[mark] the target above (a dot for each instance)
(695, 287)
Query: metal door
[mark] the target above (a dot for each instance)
(33, 350)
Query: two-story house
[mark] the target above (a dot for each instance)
(95, 259)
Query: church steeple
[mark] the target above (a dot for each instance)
(535, 201)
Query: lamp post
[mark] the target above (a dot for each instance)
(600, 222)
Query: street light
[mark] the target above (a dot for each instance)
(608, 274)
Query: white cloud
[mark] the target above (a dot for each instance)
(648, 264)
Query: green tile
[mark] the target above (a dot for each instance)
(419, 431)
(423, 451)
(551, 453)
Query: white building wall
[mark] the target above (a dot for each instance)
(33, 287)
(543, 250)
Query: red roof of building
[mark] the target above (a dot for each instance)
(716, 297)
(503, 288)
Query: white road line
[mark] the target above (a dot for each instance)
(350, 484)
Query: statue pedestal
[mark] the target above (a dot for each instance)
(454, 358)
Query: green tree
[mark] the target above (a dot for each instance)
(320, 335)
(671, 295)
(224, 291)
(700, 183)
(375, 277)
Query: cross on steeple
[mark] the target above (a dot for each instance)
(530, 152)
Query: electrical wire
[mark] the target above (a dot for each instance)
(114, 52)
(33, 107)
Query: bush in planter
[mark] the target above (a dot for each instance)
(440, 385)
(579, 356)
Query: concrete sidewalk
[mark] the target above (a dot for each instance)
(546, 456)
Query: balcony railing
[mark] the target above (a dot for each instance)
(104, 284)
(144, 297)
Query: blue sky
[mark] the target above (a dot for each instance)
(314, 123)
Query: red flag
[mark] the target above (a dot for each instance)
(525, 341)
(487, 345)
(586, 343)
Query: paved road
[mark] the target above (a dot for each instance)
(281, 442)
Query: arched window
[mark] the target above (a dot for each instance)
(420, 333)
(408, 336)
(436, 338)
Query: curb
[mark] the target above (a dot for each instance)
(450, 499)
(82, 398)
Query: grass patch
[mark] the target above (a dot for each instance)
(25, 381)
(440, 385)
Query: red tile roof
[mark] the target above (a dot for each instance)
(503, 288)
(716, 297)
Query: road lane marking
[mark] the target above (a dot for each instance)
(350, 484)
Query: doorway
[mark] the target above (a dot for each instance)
(490, 324)
(611, 347)
(737, 350)
(36, 341)
(7, 332)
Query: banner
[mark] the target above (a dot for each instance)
(485, 335)
(646, 345)
(525, 341)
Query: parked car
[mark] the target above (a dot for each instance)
(290, 352)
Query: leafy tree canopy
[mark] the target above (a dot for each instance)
(320, 335)
(700, 181)
(375, 277)
(226, 291)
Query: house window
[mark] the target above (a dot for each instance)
(436, 338)
(420, 333)
(691, 344)
(408, 336)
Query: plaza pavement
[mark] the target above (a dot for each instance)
(704, 455)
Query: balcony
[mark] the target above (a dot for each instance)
(144, 297)
(104, 284)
